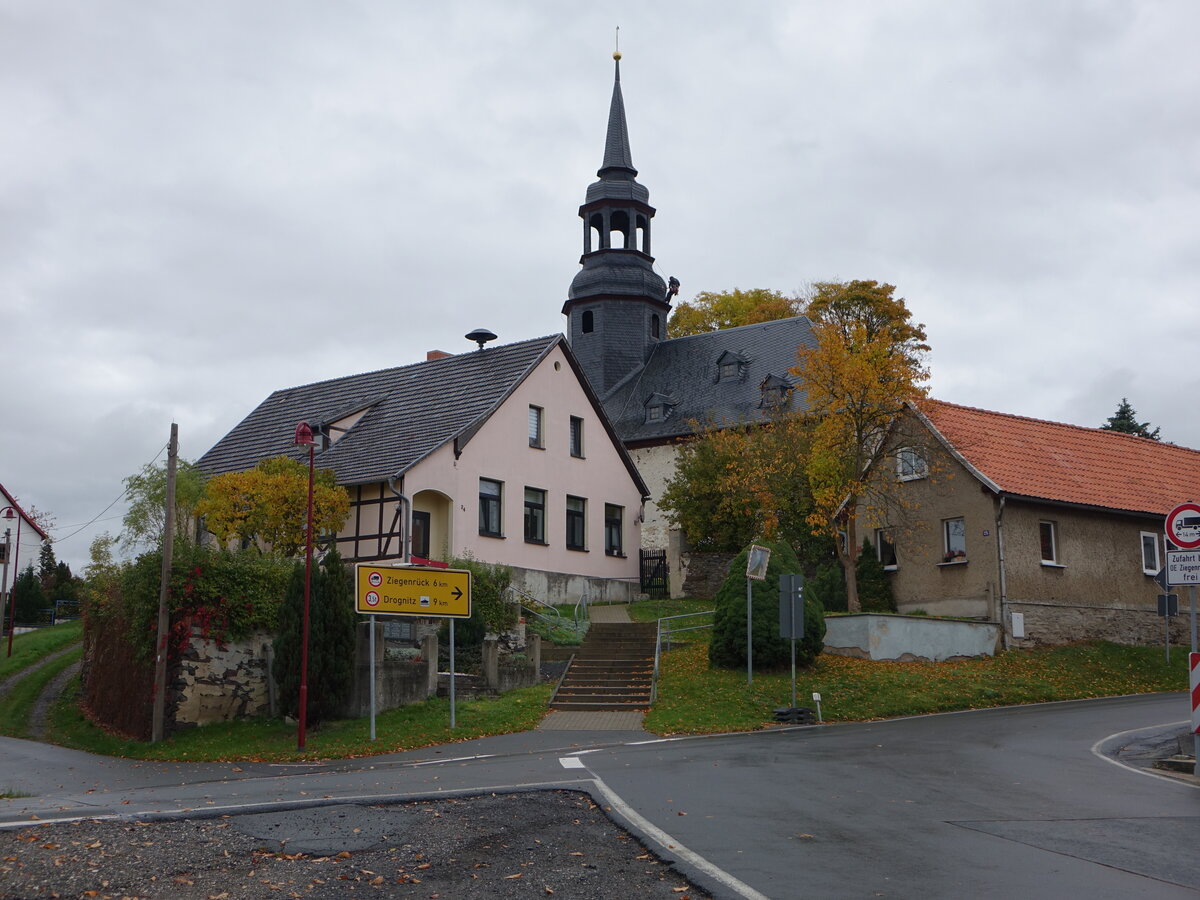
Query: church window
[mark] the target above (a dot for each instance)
(588, 324)
(654, 326)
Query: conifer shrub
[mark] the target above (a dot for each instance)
(874, 586)
(331, 639)
(728, 647)
(828, 587)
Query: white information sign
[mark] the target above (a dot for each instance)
(1183, 567)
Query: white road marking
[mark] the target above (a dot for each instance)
(673, 847)
(1123, 765)
(570, 762)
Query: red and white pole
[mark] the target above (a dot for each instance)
(1194, 667)
(1194, 682)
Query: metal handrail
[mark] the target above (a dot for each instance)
(658, 642)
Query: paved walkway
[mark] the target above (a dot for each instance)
(608, 720)
(609, 612)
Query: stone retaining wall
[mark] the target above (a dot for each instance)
(1048, 624)
(703, 573)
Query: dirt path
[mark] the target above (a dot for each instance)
(7, 684)
(39, 716)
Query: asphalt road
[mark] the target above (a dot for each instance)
(1017, 802)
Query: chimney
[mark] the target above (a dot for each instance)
(436, 354)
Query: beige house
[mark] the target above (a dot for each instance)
(1054, 530)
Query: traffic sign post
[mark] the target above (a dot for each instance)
(404, 590)
(413, 591)
(756, 568)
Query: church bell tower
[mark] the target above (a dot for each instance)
(617, 306)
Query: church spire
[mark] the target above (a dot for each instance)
(616, 143)
(617, 305)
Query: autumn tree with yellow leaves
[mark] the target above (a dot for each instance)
(867, 363)
(267, 505)
(737, 483)
(716, 310)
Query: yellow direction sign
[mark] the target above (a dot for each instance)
(412, 591)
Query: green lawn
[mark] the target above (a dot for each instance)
(652, 610)
(694, 699)
(406, 728)
(28, 648)
(19, 701)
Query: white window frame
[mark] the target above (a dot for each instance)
(1052, 559)
(910, 464)
(1154, 542)
(946, 548)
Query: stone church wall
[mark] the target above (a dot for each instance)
(656, 466)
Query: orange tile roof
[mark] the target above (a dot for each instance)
(1054, 461)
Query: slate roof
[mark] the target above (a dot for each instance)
(617, 174)
(685, 370)
(1067, 463)
(410, 412)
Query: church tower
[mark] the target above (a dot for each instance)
(617, 306)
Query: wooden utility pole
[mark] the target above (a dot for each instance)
(164, 623)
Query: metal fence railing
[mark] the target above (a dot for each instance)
(668, 632)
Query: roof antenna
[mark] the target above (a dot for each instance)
(480, 336)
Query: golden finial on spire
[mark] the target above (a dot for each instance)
(617, 44)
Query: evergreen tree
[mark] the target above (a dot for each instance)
(1125, 421)
(728, 647)
(29, 600)
(46, 565)
(331, 640)
(828, 587)
(874, 586)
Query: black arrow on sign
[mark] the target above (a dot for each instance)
(457, 593)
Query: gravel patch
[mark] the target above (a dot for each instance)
(535, 844)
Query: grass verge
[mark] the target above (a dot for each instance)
(651, 610)
(28, 648)
(19, 701)
(693, 699)
(273, 740)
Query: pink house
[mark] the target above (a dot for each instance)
(504, 452)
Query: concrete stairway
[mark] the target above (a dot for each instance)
(612, 670)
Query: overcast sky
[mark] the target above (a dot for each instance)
(203, 202)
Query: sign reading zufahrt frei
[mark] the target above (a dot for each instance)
(1183, 567)
(412, 591)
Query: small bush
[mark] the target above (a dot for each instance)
(728, 646)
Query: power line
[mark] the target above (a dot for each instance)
(122, 496)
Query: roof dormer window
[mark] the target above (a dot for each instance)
(731, 367)
(776, 392)
(658, 407)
